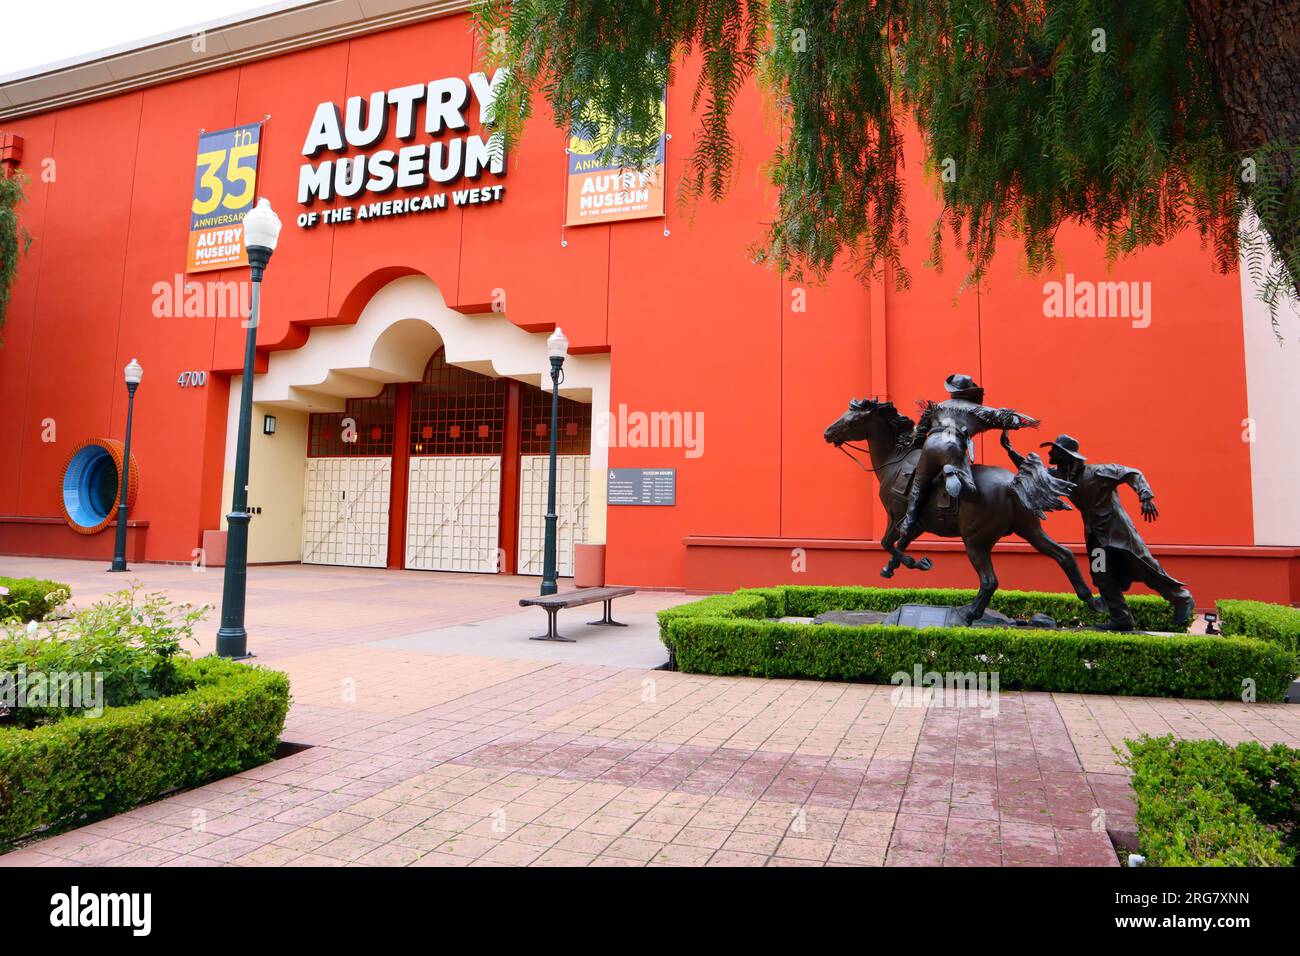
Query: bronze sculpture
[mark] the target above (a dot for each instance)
(943, 436)
(1117, 555)
(1003, 503)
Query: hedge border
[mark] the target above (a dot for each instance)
(1150, 613)
(1199, 802)
(1268, 622)
(79, 768)
(29, 598)
(727, 635)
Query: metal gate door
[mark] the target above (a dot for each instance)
(572, 496)
(345, 512)
(453, 513)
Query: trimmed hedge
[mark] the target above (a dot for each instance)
(1150, 613)
(31, 599)
(62, 773)
(1269, 622)
(727, 634)
(752, 603)
(1203, 803)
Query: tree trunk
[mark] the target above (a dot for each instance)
(1253, 47)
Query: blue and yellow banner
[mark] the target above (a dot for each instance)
(225, 187)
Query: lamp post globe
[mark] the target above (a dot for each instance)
(557, 347)
(261, 233)
(132, 375)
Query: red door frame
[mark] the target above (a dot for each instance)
(398, 480)
(509, 523)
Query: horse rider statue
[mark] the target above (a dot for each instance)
(943, 434)
(1117, 554)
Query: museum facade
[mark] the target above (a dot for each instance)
(402, 405)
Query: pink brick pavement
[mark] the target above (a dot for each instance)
(427, 759)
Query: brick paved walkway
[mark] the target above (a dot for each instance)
(429, 759)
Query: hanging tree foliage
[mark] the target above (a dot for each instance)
(1137, 120)
(14, 239)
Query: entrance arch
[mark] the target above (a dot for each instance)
(396, 336)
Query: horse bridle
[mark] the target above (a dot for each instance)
(867, 452)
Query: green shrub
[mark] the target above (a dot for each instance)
(740, 604)
(1203, 803)
(1269, 622)
(31, 599)
(1150, 613)
(727, 634)
(1066, 661)
(130, 641)
(228, 718)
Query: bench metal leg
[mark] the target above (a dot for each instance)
(551, 634)
(608, 621)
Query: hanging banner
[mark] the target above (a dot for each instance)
(225, 185)
(600, 192)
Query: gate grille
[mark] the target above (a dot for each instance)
(572, 497)
(327, 436)
(457, 412)
(453, 513)
(345, 513)
(535, 425)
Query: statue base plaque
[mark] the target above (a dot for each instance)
(931, 615)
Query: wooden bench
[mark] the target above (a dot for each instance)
(552, 603)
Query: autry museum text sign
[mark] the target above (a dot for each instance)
(422, 111)
(642, 486)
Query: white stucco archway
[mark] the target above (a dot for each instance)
(397, 331)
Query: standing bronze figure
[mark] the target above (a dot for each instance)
(943, 436)
(1003, 503)
(1117, 554)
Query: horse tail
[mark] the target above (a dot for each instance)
(1038, 489)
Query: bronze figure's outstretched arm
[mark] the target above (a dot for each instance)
(1124, 475)
(1017, 459)
(1138, 482)
(1005, 418)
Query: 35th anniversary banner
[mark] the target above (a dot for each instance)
(606, 191)
(225, 185)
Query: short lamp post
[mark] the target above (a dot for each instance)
(132, 373)
(261, 230)
(557, 346)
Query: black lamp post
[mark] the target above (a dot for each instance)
(261, 230)
(133, 373)
(556, 346)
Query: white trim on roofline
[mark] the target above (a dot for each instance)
(272, 30)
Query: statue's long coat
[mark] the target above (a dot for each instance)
(1105, 522)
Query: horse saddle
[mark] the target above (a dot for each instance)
(943, 502)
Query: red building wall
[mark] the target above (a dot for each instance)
(691, 323)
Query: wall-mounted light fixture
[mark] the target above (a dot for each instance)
(268, 424)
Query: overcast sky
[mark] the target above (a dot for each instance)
(37, 32)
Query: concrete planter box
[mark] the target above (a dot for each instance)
(588, 565)
(214, 549)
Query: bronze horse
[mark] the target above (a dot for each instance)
(1004, 503)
